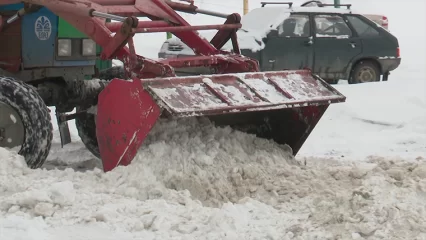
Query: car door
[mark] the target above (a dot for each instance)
(335, 46)
(289, 46)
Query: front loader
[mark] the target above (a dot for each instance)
(119, 113)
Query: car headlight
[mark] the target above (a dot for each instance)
(89, 47)
(64, 47)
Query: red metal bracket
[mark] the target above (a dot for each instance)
(223, 35)
(115, 26)
(121, 38)
(187, 28)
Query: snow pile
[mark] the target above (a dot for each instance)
(216, 165)
(18, 228)
(184, 169)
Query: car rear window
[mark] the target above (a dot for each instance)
(362, 28)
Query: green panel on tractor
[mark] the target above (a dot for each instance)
(66, 30)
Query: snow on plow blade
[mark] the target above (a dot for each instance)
(283, 106)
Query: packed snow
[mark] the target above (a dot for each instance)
(193, 181)
(360, 175)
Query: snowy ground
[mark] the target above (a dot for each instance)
(360, 175)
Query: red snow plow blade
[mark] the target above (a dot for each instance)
(283, 106)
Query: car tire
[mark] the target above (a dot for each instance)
(25, 121)
(364, 72)
(86, 123)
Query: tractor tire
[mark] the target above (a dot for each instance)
(85, 123)
(86, 128)
(364, 72)
(24, 121)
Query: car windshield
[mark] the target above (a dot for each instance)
(262, 19)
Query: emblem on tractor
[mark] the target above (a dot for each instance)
(43, 28)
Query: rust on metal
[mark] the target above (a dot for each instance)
(120, 38)
(10, 43)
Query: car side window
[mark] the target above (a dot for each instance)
(297, 25)
(362, 28)
(331, 26)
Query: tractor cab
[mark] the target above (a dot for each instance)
(42, 45)
(43, 49)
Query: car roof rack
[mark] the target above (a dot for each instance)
(320, 4)
(287, 3)
(348, 6)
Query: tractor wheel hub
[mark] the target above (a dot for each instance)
(12, 131)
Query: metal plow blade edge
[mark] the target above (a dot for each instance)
(126, 114)
(283, 106)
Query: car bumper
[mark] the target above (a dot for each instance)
(177, 55)
(389, 64)
(165, 55)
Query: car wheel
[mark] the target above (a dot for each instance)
(24, 121)
(364, 72)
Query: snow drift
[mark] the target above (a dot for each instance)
(198, 181)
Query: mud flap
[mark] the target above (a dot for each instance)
(64, 131)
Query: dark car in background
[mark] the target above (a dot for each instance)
(335, 43)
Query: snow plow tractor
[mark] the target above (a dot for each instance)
(115, 115)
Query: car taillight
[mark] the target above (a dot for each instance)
(398, 52)
(385, 21)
